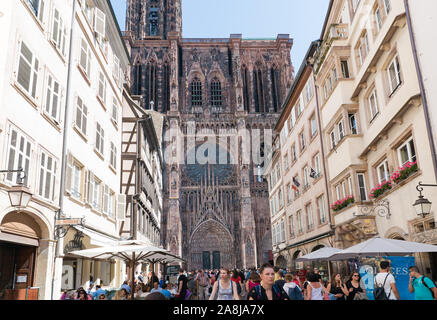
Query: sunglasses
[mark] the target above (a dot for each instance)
(356, 275)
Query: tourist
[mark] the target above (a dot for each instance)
(124, 294)
(337, 287)
(267, 290)
(237, 279)
(253, 281)
(314, 289)
(280, 282)
(276, 269)
(99, 291)
(101, 296)
(353, 286)
(165, 292)
(156, 287)
(182, 285)
(151, 279)
(423, 287)
(142, 291)
(82, 295)
(204, 283)
(224, 288)
(384, 279)
(317, 273)
(291, 288)
(191, 284)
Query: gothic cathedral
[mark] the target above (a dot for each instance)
(215, 213)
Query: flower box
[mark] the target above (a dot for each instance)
(343, 203)
(380, 189)
(404, 172)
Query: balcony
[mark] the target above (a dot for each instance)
(336, 32)
(339, 96)
(345, 153)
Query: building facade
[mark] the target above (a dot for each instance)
(214, 214)
(299, 197)
(374, 125)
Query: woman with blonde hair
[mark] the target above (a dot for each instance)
(224, 288)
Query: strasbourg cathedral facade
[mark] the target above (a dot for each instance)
(214, 214)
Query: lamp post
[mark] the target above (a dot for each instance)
(423, 205)
(19, 195)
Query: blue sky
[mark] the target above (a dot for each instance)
(303, 20)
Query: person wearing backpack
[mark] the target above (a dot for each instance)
(385, 284)
(291, 288)
(267, 290)
(423, 287)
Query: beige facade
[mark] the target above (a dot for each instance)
(298, 195)
(373, 124)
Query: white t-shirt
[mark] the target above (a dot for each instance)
(379, 279)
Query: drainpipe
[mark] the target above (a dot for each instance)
(64, 140)
(422, 88)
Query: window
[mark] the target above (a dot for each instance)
(299, 107)
(302, 141)
(114, 113)
(343, 187)
(282, 231)
(81, 116)
(113, 156)
(216, 93)
(394, 75)
(289, 193)
(47, 176)
(95, 192)
(99, 23)
(355, 4)
(362, 186)
(102, 87)
(286, 165)
(335, 75)
(111, 204)
(153, 20)
(308, 91)
(53, 98)
(333, 139)
(345, 69)
(76, 181)
(28, 66)
(106, 195)
(373, 106)
(338, 191)
(37, 6)
(340, 126)
(258, 90)
(317, 164)
(299, 221)
(353, 123)
(378, 19)
(85, 57)
(387, 6)
(284, 134)
(313, 124)
(281, 199)
(322, 211)
(59, 32)
(305, 178)
(100, 139)
(293, 118)
(293, 153)
(310, 217)
(349, 182)
(291, 225)
(196, 92)
(20, 152)
(407, 152)
(363, 48)
(382, 171)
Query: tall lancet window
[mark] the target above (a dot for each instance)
(152, 85)
(137, 79)
(216, 92)
(153, 21)
(196, 92)
(166, 89)
(246, 88)
(258, 91)
(275, 89)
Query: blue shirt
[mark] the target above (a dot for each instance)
(156, 290)
(166, 293)
(421, 292)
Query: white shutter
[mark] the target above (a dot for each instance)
(99, 22)
(69, 173)
(121, 207)
(90, 191)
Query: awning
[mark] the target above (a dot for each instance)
(14, 238)
(97, 238)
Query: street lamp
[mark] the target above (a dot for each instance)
(423, 205)
(19, 195)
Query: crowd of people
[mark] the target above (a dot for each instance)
(265, 283)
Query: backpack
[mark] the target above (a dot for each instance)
(295, 293)
(379, 292)
(424, 283)
(275, 288)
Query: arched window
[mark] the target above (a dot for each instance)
(258, 91)
(137, 79)
(166, 89)
(216, 92)
(274, 73)
(196, 92)
(246, 88)
(152, 85)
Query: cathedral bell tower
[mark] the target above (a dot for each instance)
(153, 19)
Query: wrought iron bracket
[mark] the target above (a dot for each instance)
(62, 230)
(380, 208)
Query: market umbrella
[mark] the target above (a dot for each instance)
(131, 252)
(382, 247)
(321, 254)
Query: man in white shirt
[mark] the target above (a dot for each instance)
(390, 284)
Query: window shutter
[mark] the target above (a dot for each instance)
(90, 179)
(41, 10)
(69, 173)
(121, 207)
(99, 22)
